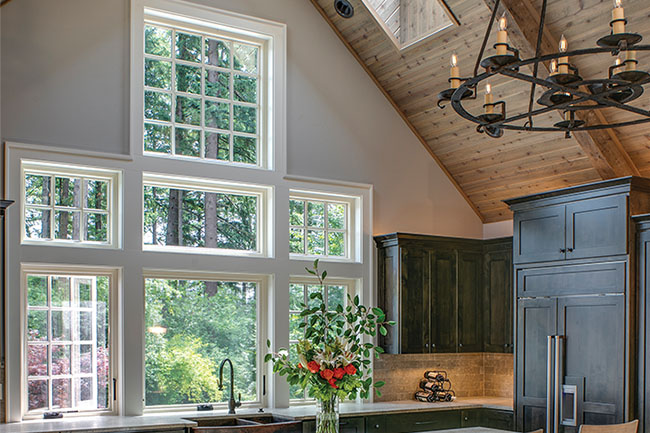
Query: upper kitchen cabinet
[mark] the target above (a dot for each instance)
(588, 221)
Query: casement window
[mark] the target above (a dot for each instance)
(204, 215)
(334, 292)
(67, 338)
(192, 325)
(323, 225)
(205, 93)
(68, 205)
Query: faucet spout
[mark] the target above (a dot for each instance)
(232, 404)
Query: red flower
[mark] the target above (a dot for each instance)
(327, 374)
(300, 365)
(339, 373)
(332, 383)
(313, 366)
(350, 369)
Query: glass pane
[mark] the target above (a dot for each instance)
(217, 115)
(157, 138)
(335, 296)
(244, 149)
(157, 106)
(84, 292)
(188, 142)
(313, 288)
(245, 89)
(61, 359)
(156, 210)
(297, 241)
(188, 79)
(85, 358)
(157, 41)
(217, 146)
(37, 223)
(36, 290)
(85, 393)
(295, 391)
(96, 194)
(188, 47)
(217, 84)
(60, 291)
(96, 225)
(61, 393)
(188, 110)
(67, 225)
(67, 191)
(202, 323)
(37, 394)
(217, 53)
(244, 119)
(157, 73)
(37, 189)
(245, 58)
(315, 242)
(296, 212)
(85, 326)
(37, 325)
(315, 214)
(336, 244)
(296, 296)
(37, 360)
(237, 222)
(336, 215)
(295, 332)
(61, 326)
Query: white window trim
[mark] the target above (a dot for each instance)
(262, 282)
(353, 253)
(264, 196)
(202, 18)
(115, 275)
(114, 201)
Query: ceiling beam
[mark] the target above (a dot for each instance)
(603, 147)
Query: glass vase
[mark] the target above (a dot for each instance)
(327, 416)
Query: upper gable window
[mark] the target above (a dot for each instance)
(205, 93)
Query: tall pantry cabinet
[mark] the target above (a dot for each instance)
(576, 295)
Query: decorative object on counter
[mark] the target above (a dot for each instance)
(333, 361)
(435, 386)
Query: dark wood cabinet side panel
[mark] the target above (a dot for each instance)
(389, 295)
(470, 314)
(414, 314)
(444, 305)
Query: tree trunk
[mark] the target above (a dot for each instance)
(46, 232)
(76, 222)
(174, 217)
(63, 223)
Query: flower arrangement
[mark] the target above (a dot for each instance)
(334, 361)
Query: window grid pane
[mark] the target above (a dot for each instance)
(243, 94)
(312, 236)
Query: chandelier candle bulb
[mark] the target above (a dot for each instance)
(563, 64)
(455, 72)
(489, 108)
(553, 67)
(502, 37)
(618, 17)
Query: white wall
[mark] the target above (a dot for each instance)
(65, 66)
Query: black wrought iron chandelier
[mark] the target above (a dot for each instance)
(566, 91)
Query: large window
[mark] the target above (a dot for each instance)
(68, 205)
(203, 215)
(192, 326)
(203, 94)
(68, 351)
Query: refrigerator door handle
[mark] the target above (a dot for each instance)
(558, 374)
(549, 383)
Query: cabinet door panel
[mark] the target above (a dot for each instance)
(423, 421)
(444, 307)
(498, 299)
(594, 352)
(536, 320)
(596, 227)
(415, 323)
(470, 268)
(539, 235)
(588, 279)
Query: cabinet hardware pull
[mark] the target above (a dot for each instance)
(460, 344)
(562, 250)
(570, 250)
(377, 426)
(424, 422)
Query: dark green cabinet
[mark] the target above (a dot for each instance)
(355, 424)
(446, 294)
(490, 418)
(439, 420)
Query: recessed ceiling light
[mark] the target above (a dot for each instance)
(344, 8)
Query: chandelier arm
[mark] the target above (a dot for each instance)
(576, 129)
(538, 48)
(486, 37)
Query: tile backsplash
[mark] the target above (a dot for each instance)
(471, 374)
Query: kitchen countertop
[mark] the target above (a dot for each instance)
(180, 420)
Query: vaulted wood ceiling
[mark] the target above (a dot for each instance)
(487, 170)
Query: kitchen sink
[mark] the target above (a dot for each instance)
(247, 424)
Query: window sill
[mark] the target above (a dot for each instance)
(325, 259)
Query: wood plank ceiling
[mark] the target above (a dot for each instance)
(487, 170)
